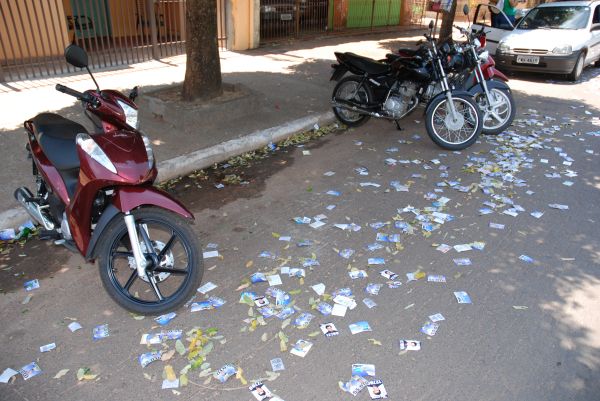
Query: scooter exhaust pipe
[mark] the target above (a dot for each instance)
(25, 198)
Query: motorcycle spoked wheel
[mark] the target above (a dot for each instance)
(346, 89)
(449, 134)
(175, 269)
(501, 117)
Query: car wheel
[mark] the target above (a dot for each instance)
(578, 68)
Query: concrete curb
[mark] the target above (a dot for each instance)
(203, 158)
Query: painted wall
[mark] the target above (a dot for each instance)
(25, 36)
(243, 24)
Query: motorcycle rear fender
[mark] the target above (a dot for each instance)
(126, 199)
(338, 72)
(443, 94)
(491, 84)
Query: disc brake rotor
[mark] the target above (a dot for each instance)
(168, 261)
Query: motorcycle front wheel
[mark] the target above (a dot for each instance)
(172, 250)
(454, 133)
(498, 117)
(350, 89)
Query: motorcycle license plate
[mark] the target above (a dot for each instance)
(286, 17)
(528, 59)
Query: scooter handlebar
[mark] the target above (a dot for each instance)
(79, 95)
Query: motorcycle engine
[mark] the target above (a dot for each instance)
(432, 90)
(400, 99)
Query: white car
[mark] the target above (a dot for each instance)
(558, 38)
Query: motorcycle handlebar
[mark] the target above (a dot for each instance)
(79, 95)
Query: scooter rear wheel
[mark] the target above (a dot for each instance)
(175, 265)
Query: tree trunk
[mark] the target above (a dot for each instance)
(203, 67)
(447, 21)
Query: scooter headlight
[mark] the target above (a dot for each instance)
(149, 151)
(89, 146)
(131, 114)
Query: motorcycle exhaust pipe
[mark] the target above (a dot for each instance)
(24, 197)
(342, 104)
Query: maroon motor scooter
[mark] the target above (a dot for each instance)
(95, 195)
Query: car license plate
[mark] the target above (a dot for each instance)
(286, 17)
(528, 59)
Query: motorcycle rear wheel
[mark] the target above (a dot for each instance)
(346, 89)
(176, 265)
(504, 111)
(440, 126)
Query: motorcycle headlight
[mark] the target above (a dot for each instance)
(89, 146)
(564, 50)
(149, 151)
(483, 56)
(477, 43)
(131, 114)
(503, 47)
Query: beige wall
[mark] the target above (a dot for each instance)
(27, 37)
(243, 24)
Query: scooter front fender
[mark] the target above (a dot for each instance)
(127, 199)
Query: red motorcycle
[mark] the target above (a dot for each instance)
(95, 195)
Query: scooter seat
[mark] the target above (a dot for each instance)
(370, 66)
(56, 136)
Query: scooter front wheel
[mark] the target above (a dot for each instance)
(174, 264)
(453, 131)
(500, 115)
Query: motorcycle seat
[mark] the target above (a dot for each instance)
(56, 136)
(365, 64)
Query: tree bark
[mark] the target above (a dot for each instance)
(447, 21)
(203, 66)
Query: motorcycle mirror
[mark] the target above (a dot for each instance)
(431, 25)
(76, 56)
(466, 9)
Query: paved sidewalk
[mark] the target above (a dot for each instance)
(288, 87)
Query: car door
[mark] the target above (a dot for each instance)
(594, 46)
(495, 24)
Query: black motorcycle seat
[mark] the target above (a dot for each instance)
(365, 64)
(56, 136)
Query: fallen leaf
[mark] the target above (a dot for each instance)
(285, 323)
(374, 341)
(205, 372)
(167, 355)
(147, 376)
(61, 373)
(409, 306)
(264, 337)
(240, 376)
(169, 373)
(249, 263)
(520, 307)
(314, 334)
(183, 380)
(271, 376)
(207, 380)
(180, 348)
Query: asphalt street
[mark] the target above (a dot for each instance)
(532, 331)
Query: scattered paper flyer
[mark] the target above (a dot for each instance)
(369, 303)
(354, 385)
(31, 285)
(29, 371)
(165, 319)
(410, 345)
(47, 347)
(260, 391)
(438, 317)
(526, 259)
(363, 369)
(319, 288)
(170, 384)
(339, 310)
(329, 329)
(359, 327)
(225, 372)
(210, 254)
(390, 275)
(462, 262)
(277, 364)
(377, 390)
(274, 279)
(207, 287)
(100, 332)
(7, 375)
(462, 297)
(430, 328)
(436, 278)
(301, 348)
(74, 326)
(149, 357)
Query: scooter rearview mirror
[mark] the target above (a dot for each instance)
(466, 9)
(76, 56)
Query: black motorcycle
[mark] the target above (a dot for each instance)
(393, 90)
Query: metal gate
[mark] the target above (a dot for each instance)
(293, 18)
(34, 33)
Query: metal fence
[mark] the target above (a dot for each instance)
(34, 33)
(294, 18)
